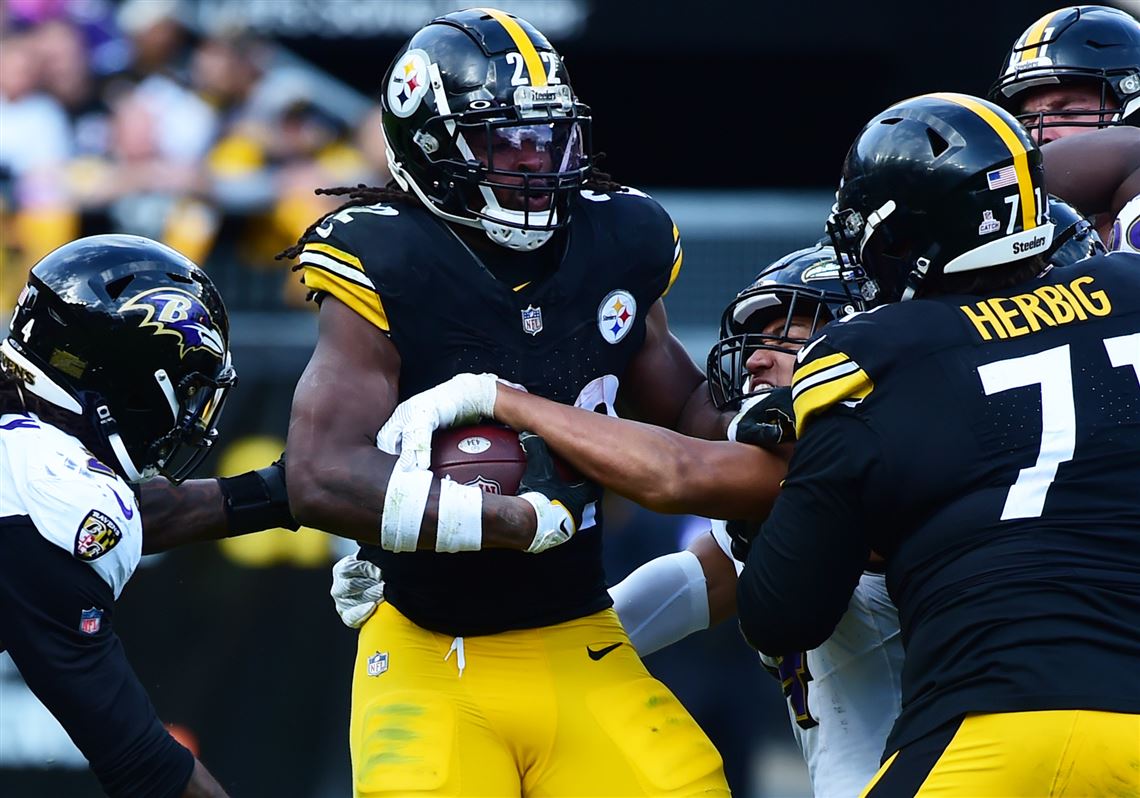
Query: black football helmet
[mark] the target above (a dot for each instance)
(134, 337)
(937, 184)
(1074, 237)
(804, 284)
(482, 125)
(1090, 45)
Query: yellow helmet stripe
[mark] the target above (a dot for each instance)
(1016, 148)
(526, 47)
(1036, 34)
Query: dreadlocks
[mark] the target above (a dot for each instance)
(361, 194)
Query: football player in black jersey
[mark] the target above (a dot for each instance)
(499, 248)
(114, 371)
(980, 427)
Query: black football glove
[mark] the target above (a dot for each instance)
(558, 504)
(257, 500)
(741, 534)
(765, 420)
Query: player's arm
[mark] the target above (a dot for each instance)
(663, 386)
(672, 596)
(1097, 172)
(658, 468)
(209, 509)
(337, 479)
(806, 560)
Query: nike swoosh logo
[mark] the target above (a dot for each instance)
(596, 655)
(324, 231)
(128, 513)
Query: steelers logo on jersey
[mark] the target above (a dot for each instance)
(616, 315)
(97, 535)
(409, 83)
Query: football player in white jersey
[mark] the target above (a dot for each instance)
(115, 370)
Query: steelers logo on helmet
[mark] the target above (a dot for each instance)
(172, 311)
(616, 315)
(409, 83)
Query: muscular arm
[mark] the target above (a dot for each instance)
(653, 466)
(663, 386)
(176, 514)
(337, 478)
(1097, 172)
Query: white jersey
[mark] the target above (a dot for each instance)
(1125, 236)
(72, 499)
(844, 696)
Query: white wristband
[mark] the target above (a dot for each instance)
(459, 526)
(404, 502)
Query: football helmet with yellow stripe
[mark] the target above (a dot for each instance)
(1092, 46)
(938, 185)
(481, 123)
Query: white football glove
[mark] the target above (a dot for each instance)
(357, 590)
(464, 399)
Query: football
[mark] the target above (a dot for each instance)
(488, 456)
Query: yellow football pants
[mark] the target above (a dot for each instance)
(563, 710)
(1045, 754)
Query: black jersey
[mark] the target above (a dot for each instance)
(403, 269)
(989, 447)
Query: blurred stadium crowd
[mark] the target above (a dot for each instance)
(129, 118)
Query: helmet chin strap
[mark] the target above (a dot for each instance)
(110, 430)
(514, 238)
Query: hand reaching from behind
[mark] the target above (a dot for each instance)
(559, 505)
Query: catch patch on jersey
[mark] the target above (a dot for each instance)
(97, 535)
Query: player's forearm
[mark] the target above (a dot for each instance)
(346, 496)
(654, 461)
(173, 515)
(1095, 171)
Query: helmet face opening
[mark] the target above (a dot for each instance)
(781, 311)
(180, 451)
(482, 125)
(1076, 67)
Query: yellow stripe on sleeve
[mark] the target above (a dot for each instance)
(825, 362)
(678, 258)
(328, 249)
(522, 41)
(1016, 149)
(813, 401)
(363, 300)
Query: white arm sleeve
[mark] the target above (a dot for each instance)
(662, 601)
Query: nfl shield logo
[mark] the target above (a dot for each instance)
(378, 663)
(90, 621)
(532, 320)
